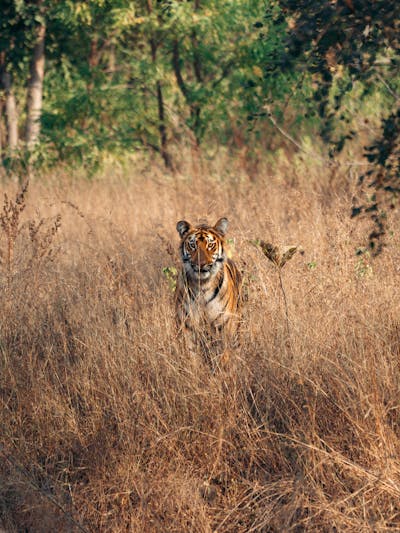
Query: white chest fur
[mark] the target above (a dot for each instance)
(204, 306)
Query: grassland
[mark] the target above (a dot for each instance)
(108, 425)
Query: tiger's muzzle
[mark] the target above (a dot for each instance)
(201, 268)
(202, 262)
(202, 272)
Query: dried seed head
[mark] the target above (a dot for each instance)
(20, 198)
(278, 257)
(287, 254)
(270, 251)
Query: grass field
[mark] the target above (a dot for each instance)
(108, 425)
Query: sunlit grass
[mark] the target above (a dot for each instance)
(108, 425)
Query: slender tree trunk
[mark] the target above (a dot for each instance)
(162, 129)
(196, 109)
(35, 90)
(193, 106)
(10, 106)
(160, 103)
(11, 112)
(112, 62)
(93, 61)
(1, 127)
(195, 43)
(161, 118)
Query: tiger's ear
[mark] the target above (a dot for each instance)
(182, 227)
(221, 225)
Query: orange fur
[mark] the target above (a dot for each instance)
(209, 286)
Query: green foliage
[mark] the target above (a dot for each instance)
(146, 75)
(363, 268)
(384, 178)
(349, 52)
(171, 275)
(126, 75)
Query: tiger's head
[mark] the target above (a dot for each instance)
(202, 249)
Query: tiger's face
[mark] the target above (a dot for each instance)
(202, 249)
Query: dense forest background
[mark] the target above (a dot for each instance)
(85, 81)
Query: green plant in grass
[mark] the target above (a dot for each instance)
(171, 275)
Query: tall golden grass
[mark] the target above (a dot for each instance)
(108, 425)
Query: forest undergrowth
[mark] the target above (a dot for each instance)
(108, 425)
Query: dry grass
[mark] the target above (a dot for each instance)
(107, 425)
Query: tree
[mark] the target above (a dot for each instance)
(154, 44)
(35, 82)
(10, 104)
(125, 75)
(338, 44)
(11, 30)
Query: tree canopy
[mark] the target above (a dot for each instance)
(145, 75)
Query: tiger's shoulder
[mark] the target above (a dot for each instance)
(234, 273)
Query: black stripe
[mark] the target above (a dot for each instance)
(216, 290)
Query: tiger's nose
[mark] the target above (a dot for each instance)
(201, 261)
(205, 268)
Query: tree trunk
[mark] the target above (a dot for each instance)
(1, 128)
(195, 110)
(162, 129)
(195, 44)
(93, 61)
(11, 106)
(35, 90)
(112, 62)
(160, 104)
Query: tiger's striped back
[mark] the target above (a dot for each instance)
(208, 291)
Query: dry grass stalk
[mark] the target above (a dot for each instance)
(35, 235)
(112, 419)
(279, 258)
(10, 224)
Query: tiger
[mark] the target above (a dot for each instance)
(208, 291)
